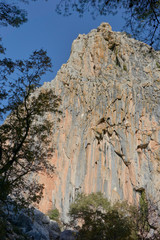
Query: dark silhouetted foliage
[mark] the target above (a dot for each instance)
(24, 142)
(142, 17)
(11, 14)
(25, 147)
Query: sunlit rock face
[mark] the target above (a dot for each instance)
(108, 137)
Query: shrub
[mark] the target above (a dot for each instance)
(124, 67)
(96, 218)
(54, 214)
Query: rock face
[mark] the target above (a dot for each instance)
(108, 137)
(36, 226)
(30, 224)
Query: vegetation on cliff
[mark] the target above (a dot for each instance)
(96, 218)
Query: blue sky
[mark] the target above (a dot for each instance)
(52, 32)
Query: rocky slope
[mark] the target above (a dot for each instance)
(30, 225)
(108, 137)
(21, 226)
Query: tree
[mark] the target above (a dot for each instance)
(142, 17)
(146, 218)
(95, 218)
(25, 147)
(11, 14)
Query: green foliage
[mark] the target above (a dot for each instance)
(118, 62)
(158, 65)
(54, 214)
(96, 218)
(84, 202)
(124, 67)
(142, 215)
(143, 205)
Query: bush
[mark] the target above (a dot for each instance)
(54, 214)
(95, 218)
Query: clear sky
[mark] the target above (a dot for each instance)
(52, 32)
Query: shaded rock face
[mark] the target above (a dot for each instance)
(35, 226)
(108, 137)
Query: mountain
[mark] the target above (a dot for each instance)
(108, 136)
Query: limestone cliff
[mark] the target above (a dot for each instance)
(108, 137)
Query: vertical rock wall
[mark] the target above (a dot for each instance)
(108, 137)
